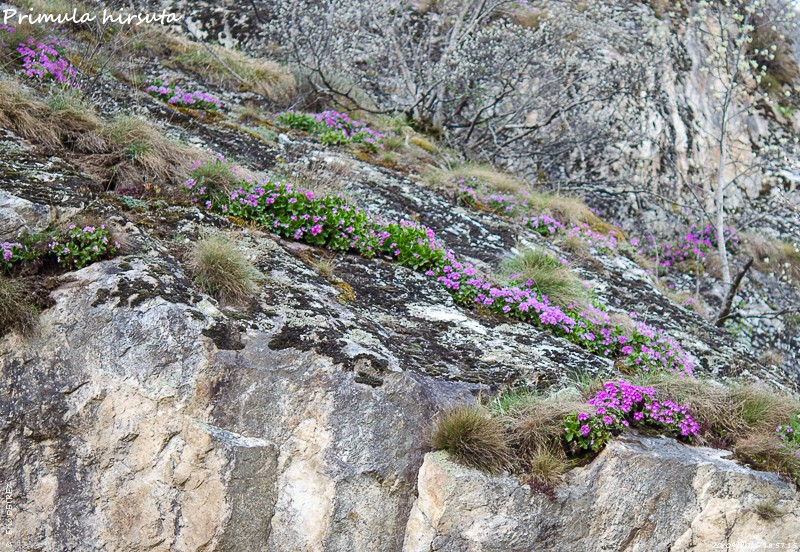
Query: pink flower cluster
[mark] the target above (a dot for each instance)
(622, 403)
(333, 222)
(174, 95)
(335, 128)
(605, 243)
(7, 249)
(545, 225)
(790, 432)
(337, 120)
(472, 192)
(586, 325)
(689, 247)
(42, 61)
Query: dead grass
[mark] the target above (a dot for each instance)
(145, 154)
(17, 313)
(773, 256)
(569, 210)
(325, 266)
(220, 269)
(488, 174)
(540, 424)
(78, 126)
(768, 510)
(473, 438)
(126, 152)
(766, 452)
(323, 176)
(26, 116)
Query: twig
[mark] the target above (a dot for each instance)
(725, 312)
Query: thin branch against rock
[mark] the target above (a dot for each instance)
(725, 312)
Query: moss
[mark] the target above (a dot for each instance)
(423, 143)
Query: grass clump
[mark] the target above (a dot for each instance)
(234, 70)
(78, 125)
(473, 437)
(500, 181)
(144, 153)
(17, 313)
(550, 277)
(773, 256)
(220, 269)
(26, 116)
(768, 510)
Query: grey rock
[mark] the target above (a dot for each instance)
(640, 494)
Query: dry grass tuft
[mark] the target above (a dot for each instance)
(323, 176)
(773, 256)
(540, 425)
(220, 269)
(325, 266)
(78, 126)
(17, 313)
(473, 437)
(145, 154)
(488, 174)
(766, 452)
(26, 116)
(768, 510)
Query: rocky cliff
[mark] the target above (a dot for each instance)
(145, 414)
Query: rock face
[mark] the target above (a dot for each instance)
(145, 416)
(639, 494)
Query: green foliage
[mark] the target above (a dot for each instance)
(78, 247)
(300, 121)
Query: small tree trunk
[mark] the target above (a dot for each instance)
(720, 200)
(725, 311)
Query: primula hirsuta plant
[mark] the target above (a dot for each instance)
(10, 254)
(161, 88)
(79, 247)
(790, 433)
(621, 405)
(692, 246)
(331, 221)
(474, 193)
(335, 128)
(74, 248)
(43, 61)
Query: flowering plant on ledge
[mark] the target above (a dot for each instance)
(160, 88)
(621, 405)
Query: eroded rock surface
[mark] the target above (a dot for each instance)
(640, 494)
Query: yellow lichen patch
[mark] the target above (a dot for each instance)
(346, 293)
